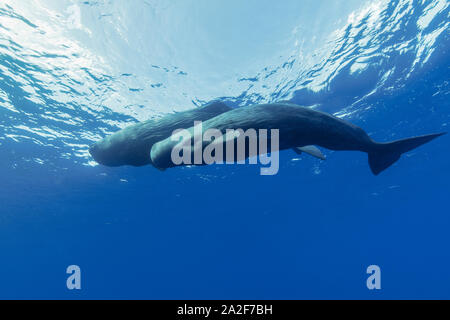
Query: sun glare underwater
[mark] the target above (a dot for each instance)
(73, 72)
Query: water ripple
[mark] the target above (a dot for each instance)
(59, 94)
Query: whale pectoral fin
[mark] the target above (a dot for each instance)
(311, 150)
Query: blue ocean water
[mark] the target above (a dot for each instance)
(72, 72)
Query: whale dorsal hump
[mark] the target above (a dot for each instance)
(311, 150)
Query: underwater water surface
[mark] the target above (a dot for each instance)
(73, 72)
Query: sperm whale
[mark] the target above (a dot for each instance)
(132, 145)
(299, 128)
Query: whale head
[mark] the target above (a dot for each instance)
(125, 147)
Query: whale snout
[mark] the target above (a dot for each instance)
(100, 155)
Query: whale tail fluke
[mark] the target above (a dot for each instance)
(386, 154)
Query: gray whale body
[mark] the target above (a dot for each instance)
(298, 127)
(132, 145)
